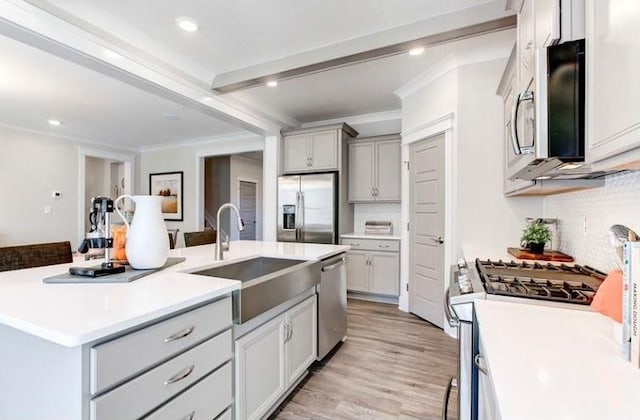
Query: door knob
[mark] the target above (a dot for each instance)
(438, 240)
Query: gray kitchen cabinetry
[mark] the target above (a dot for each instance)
(314, 149)
(613, 65)
(373, 266)
(374, 169)
(272, 358)
(160, 369)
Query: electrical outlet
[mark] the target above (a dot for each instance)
(56, 194)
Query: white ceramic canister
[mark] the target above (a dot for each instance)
(147, 239)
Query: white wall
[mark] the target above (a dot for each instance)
(189, 158)
(486, 222)
(618, 202)
(32, 165)
(431, 102)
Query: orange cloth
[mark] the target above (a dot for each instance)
(608, 298)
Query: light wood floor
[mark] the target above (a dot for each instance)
(393, 365)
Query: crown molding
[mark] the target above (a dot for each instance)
(395, 114)
(200, 141)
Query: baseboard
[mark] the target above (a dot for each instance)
(373, 297)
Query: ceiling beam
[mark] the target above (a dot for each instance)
(467, 23)
(31, 25)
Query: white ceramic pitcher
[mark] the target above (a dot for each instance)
(147, 238)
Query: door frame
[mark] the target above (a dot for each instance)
(129, 170)
(443, 125)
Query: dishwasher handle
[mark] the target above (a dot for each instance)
(333, 266)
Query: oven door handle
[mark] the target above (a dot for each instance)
(453, 320)
(453, 383)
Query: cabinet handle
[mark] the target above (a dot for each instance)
(190, 416)
(289, 331)
(476, 360)
(180, 375)
(354, 244)
(180, 334)
(375, 191)
(383, 246)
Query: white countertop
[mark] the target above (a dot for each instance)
(356, 235)
(552, 363)
(75, 314)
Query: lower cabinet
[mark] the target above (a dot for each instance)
(373, 266)
(271, 358)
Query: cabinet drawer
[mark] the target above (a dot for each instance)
(204, 401)
(372, 244)
(142, 394)
(119, 359)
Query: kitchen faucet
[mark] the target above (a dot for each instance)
(219, 247)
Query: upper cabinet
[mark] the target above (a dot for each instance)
(374, 169)
(613, 83)
(314, 150)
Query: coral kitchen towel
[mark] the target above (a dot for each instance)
(608, 298)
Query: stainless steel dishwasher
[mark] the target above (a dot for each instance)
(332, 304)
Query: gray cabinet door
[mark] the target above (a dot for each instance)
(358, 271)
(296, 153)
(387, 167)
(302, 344)
(323, 148)
(260, 369)
(385, 273)
(361, 171)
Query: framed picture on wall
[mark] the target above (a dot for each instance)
(169, 186)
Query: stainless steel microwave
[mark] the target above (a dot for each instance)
(547, 133)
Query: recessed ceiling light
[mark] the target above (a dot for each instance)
(272, 83)
(416, 51)
(112, 55)
(55, 122)
(187, 24)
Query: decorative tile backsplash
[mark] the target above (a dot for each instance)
(584, 218)
(376, 211)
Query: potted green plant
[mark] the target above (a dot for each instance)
(535, 236)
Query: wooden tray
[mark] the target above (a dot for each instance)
(525, 254)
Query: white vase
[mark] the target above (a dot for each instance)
(147, 239)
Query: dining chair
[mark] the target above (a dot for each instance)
(173, 237)
(36, 255)
(203, 237)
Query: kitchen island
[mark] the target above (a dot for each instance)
(552, 363)
(67, 346)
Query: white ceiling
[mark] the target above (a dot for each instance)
(36, 86)
(234, 34)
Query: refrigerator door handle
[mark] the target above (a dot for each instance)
(297, 225)
(301, 213)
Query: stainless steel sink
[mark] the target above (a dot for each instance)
(266, 283)
(250, 269)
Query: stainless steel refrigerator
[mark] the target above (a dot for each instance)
(308, 208)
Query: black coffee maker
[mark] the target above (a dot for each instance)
(99, 237)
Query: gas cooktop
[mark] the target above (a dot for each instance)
(561, 283)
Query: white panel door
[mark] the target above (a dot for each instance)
(388, 170)
(426, 272)
(324, 150)
(358, 271)
(296, 153)
(385, 268)
(613, 82)
(361, 171)
(302, 344)
(260, 369)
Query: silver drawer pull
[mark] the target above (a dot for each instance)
(354, 244)
(383, 246)
(180, 334)
(190, 416)
(180, 375)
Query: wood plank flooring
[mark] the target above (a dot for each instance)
(393, 365)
